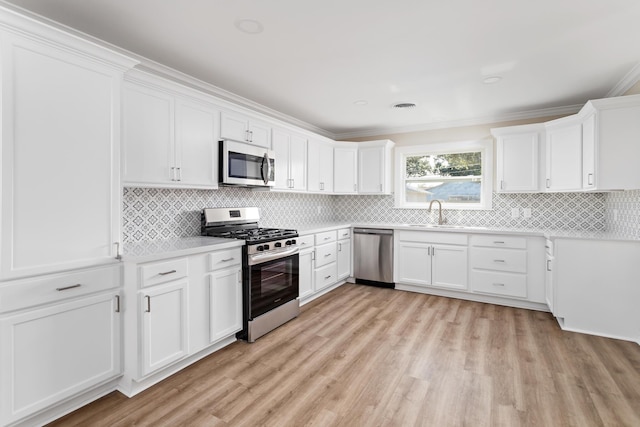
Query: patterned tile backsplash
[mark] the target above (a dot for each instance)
(623, 213)
(155, 214)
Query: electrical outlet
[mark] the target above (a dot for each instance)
(526, 212)
(515, 212)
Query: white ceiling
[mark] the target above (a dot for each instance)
(314, 59)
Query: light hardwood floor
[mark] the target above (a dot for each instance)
(364, 356)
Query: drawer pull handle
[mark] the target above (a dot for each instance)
(167, 272)
(497, 242)
(498, 260)
(327, 255)
(66, 288)
(327, 277)
(227, 259)
(327, 238)
(498, 284)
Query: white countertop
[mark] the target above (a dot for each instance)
(159, 249)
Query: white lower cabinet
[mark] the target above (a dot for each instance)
(427, 259)
(59, 337)
(185, 308)
(344, 259)
(226, 303)
(305, 274)
(164, 325)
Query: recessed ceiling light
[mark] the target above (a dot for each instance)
(405, 105)
(249, 26)
(361, 103)
(491, 80)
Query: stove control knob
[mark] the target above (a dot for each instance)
(260, 249)
(278, 245)
(290, 242)
(266, 247)
(293, 242)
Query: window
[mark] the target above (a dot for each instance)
(458, 174)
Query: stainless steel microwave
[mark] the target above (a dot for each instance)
(246, 165)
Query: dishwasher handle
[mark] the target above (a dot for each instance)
(372, 231)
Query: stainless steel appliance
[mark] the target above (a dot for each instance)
(246, 165)
(373, 256)
(270, 267)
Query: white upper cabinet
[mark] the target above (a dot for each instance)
(291, 160)
(518, 158)
(238, 127)
(564, 155)
(60, 193)
(345, 168)
(320, 166)
(374, 167)
(610, 144)
(169, 140)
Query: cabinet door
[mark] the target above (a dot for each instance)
(52, 353)
(326, 168)
(371, 170)
(345, 164)
(280, 146)
(313, 165)
(60, 134)
(564, 158)
(589, 152)
(449, 264)
(226, 303)
(259, 134)
(148, 136)
(344, 258)
(298, 162)
(306, 274)
(234, 127)
(517, 163)
(164, 325)
(414, 263)
(548, 282)
(196, 145)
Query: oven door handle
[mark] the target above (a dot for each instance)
(273, 255)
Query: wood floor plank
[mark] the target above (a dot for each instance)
(364, 356)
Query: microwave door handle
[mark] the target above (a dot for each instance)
(265, 176)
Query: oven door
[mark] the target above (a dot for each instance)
(272, 283)
(246, 165)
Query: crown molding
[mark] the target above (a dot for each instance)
(494, 118)
(629, 79)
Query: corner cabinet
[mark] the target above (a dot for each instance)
(170, 140)
(345, 168)
(320, 166)
(374, 171)
(60, 151)
(564, 155)
(518, 158)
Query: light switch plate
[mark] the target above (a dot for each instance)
(526, 212)
(515, 212)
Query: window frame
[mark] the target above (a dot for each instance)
(485, 147)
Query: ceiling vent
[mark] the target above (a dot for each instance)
(405, 105)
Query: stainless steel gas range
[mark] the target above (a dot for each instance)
(270, 267)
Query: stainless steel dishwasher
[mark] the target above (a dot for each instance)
(373, 257)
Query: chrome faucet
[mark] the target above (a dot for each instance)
(441, 220)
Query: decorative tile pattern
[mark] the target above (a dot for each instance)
(566, 211)
(623, 213)
(154, 214)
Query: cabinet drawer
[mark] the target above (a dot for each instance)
(306, 242)
(27, 293)
(499, 241)
(161, 272)
(326, 276)
(326, 237)
(344, 233)
(223, 259)
(499, 259)
(432, 237)
(492, 282)
(326, 254)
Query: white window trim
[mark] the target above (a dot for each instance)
(484, 146)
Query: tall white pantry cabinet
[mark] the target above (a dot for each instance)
(59, 218)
